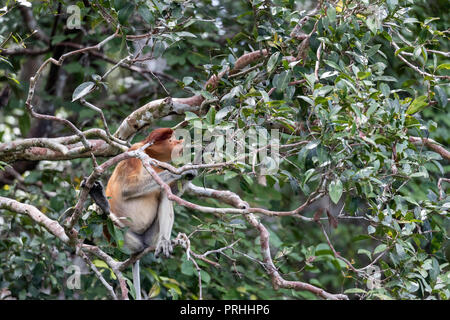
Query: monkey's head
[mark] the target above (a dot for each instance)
(165, 147)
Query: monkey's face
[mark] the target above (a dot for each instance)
(166, 150)
(176, 146)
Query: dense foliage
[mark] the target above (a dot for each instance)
(355, 88)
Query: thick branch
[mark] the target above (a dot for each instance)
(162, 107)
(224, 196)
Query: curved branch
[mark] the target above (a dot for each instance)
(277, 280)
(433, 145)
(225, 196)
(156, 109)
(51, 225)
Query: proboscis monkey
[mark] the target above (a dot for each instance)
(140, 203)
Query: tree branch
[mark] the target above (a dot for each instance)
(156, 109)
(433, 145)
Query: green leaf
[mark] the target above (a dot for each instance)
(24, 124)
(331, 13)
(119, 4)
(363, 75)
(211, 115)
(379, 249)
(190, 116)
(125, 13)
(402, 49)
(187, 80)
(385, 90)
(146, 14)
(158, 49)
(333, 64)
(282, 80)
(229, 175)
(443, 66)
(6, 62)
(435, 269)
(354, 290)
(309, 174)
(154, 291)
(186, 34)
(335, 189)
(392, 4)
(373, 50)
(366, 252)
(222, 113)
(271, 64)
(372, 24)
(206, 278)
(173, 286)
(82, 90)
(441, 96)
(323, 249)
(417, 105)
(187, 268)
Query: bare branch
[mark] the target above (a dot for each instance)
(98, 274)
(433, 145)
(51, 225)
(277, 280)
(414, 67)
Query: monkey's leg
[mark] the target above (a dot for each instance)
(151, 234)
(162, 227)
(133, 241)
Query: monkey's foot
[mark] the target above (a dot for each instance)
(183, 240)
(164, 246)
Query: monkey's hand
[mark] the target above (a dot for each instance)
(97, 193)
(189, 174)
(164, 246)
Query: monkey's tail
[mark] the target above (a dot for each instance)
(137, 280)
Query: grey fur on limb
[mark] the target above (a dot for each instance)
(150, 185)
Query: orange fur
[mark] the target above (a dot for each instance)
(139, 213)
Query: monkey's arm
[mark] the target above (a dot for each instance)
(97, 193)
(148, 184)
